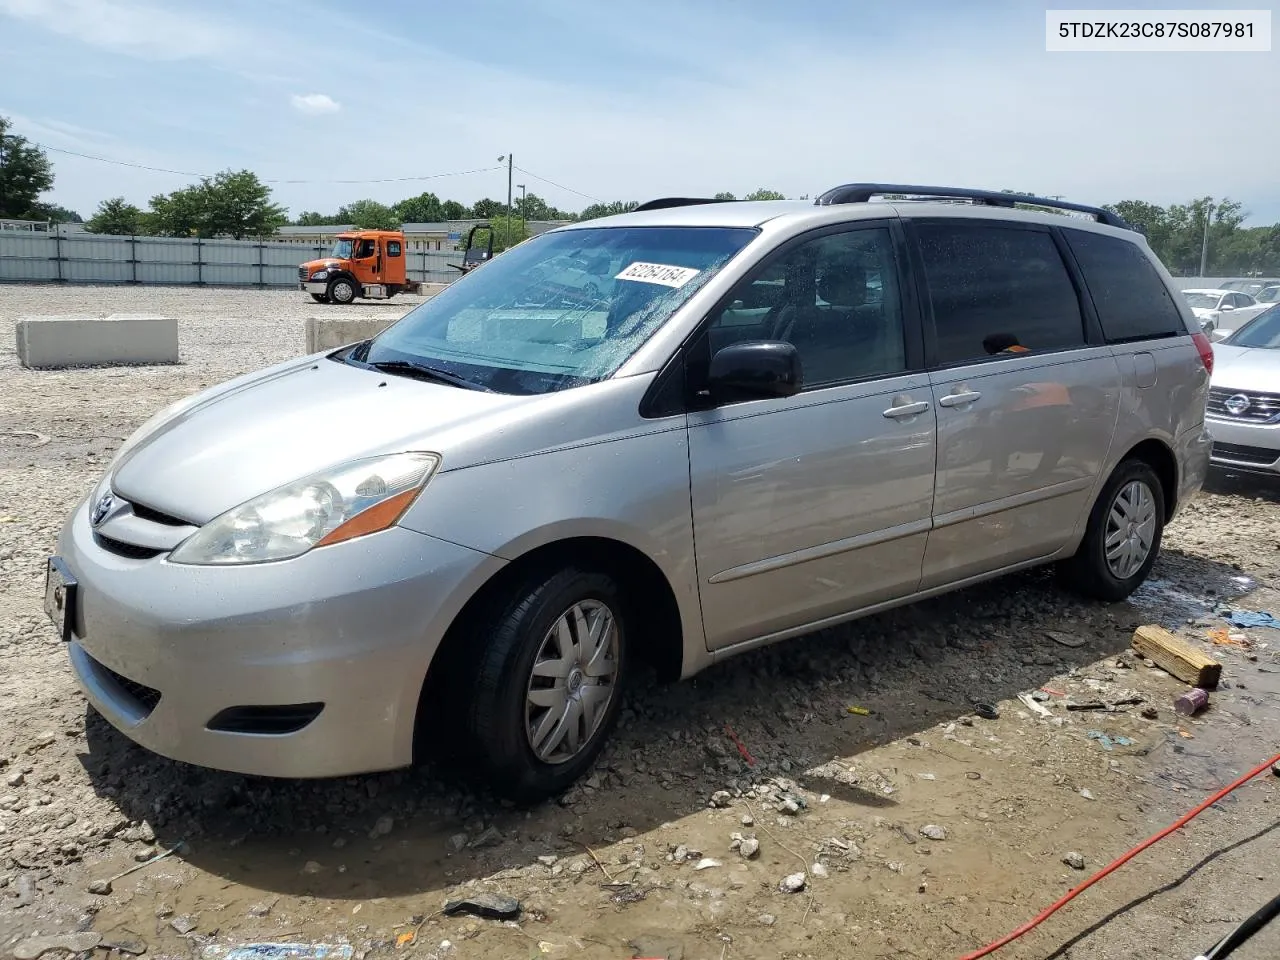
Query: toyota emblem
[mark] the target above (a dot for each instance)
(1236, 405)
(101, 509)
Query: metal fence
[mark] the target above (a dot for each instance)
(92, 258)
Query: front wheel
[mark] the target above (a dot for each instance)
(1122, 540)
(547, 686)
(341, 290)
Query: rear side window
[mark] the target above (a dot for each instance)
(1131, 299)
(997, 291)
(393, 248)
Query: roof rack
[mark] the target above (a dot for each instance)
(664, 202)
(862, 192)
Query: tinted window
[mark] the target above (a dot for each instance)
(1131, 299)
(393, 248)
(1263, 332)
(997, 290)
(835, 297)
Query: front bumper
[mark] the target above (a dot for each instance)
(313, 286)
(160, 649)
(1239, 445)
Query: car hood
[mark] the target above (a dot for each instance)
(311, 266)
(1245, 368)
(285, 424)
(1203, 313)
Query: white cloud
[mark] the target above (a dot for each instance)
(150, 32)
(315, 104)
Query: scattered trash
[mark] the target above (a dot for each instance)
(858, 711)
(1091, 705)
(1030, 703)
(1192, 702)
(1065, 639)
(1251, 618)
(1177, 657)
(1107, 741)
(1074, 860)
(68, 942)
(1126, 702)
(707, 863)
(406, 938)
(102, 888)
(793, 883)
(1186, 735)
(820, 871)
(489, 906)
(1053, 692)
(746, 754)
(1223, 637)
(279, 951)
(987, 711)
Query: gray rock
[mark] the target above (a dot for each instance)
(789, 807)
(767, 919)
(1074, 860)
(185, 923)
(16, 779)
(101, 888)
(933, 832)
(135, 948)
(749, 821)
(382, 827)
(69, 942)
(491, 837)
(490, 906)
(458, 842)
(749, 848)
(793, 883)
(721, 798)
(820, 871)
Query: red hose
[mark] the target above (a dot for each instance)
(1115, 865)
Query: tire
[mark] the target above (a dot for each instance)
(320, 297)
(515, 717)
(341, 290)
(1130, 513)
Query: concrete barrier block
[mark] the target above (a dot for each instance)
(329, 333)
(120, 339)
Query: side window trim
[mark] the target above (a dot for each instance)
(668, 395)
(1093, 335)
(929, 322)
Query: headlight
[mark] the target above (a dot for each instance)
(351, 500)
(320, 275)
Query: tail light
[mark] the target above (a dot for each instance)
(1206, 351)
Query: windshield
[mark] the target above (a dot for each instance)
(1262, 331)
(342, 249)
(559, 310)
(1207, 301)
(1268, 295)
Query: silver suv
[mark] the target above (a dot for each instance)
(757, 419)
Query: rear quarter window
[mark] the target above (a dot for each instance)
(1132, 301)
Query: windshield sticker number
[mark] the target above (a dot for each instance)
(661, 273)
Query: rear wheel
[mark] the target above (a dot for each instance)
(320, 297)
(546, 685)
(341, 290)
(1122, 540)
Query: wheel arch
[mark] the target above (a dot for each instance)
(1158, 455)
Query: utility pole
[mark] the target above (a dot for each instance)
(1204, 243)
(524, 209)
(510, 160)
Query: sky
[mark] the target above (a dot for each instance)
(624, 100)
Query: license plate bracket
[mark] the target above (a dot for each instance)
(61, 591)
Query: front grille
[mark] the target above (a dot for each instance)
(270, 720)
(146, 697)
(121, 549)
(1263, 407)
(1240, 453)
(302, 273)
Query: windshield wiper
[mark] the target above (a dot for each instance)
(422, 371)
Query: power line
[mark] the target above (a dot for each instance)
(559, 186)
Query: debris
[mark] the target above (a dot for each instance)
(135, 948)
(1192, 702)
(987, 711)
(793, 883)
(1222, 637)
(26, 892)
(185, 923)
(1029, 702)
(858, 711)
(102, 888)
(1251, 618)
(406, 938)
(932, 831)
(1186, 735)
(1091, 705)
(721, 799)
(1177, 657)
(1108, 742)
(1074, 860)
(820, 871)
(1066, 639)
(490, 906)
(279, 951)
(70, 942)
(746, 755)
(458, 842)
(1150, 713)
(707, 863)
(490, 837)
(1275, 768)
(1053, 692)
(789, 806)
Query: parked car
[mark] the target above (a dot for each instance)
(1249, 285)
(1244, 397)
(1269, 294)
(468, 532)
(1218, 308)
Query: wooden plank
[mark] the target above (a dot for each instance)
(1177, 657)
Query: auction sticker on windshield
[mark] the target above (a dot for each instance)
(661, 273)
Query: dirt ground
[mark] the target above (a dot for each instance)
(922, 830)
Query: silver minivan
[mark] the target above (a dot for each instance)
(747, 421)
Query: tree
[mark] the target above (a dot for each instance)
(486, 209)
(25, 173)
(424, 208)
(232, 203)
(533, 207)
(55, 213)
(725, 196)
(368, 215)
(310, 218)
(519, 231)
(608, 209)
(453, 210)
(117, 217)
(763, 194)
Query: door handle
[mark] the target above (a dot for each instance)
(906, 410)
(958, 399)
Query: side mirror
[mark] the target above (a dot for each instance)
(1227, 306)
(754, 370)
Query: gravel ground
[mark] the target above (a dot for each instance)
(918, 830)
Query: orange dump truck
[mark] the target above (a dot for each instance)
(363, 263)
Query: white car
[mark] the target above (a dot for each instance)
(1222, 309)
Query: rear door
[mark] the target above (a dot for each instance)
(1026, 395)
(808, 507)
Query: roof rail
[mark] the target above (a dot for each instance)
(664, 202)
(862, 192)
